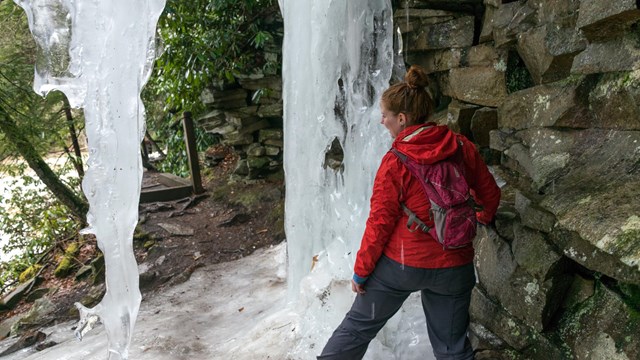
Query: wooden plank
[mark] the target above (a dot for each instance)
(171, 180)
(166, 194)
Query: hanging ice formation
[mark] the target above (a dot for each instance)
(337, 59)
(100, 54)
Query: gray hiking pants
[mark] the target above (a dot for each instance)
(445, 293)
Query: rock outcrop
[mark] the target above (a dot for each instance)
(553, 88)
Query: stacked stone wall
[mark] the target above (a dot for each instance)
(246, 117)
(549, 90)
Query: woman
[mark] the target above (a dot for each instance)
(393, 261)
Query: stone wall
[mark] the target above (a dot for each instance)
(247, 118)
(550, 92)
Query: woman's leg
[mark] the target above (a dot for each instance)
(446, 305)
(367, 316)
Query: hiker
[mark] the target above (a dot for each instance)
(395, 258)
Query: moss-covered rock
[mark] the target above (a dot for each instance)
(29, 273)
(602, 327)
(66, 264)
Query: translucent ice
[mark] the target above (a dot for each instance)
(331, 51)
(100, 53)
(338, 58)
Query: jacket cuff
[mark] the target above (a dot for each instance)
(483, 218)
(359, 280)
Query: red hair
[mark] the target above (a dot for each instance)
(410, 97)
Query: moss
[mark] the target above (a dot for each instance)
(66, 264)
(149, 243)
(64, 267)
(248, 198)
(631, 297)
(277, 176)
(72, 249)
(221, 192)
(572, 323)
(29, 273)
(276, 217)
(629, 239)
(517, 75)
(141, 235)
(573, 79)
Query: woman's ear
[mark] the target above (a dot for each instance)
(402, 119)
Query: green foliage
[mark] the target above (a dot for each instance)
(176, 161)
(39, 119)
(517, 75)
(208, 42)
(32, 220)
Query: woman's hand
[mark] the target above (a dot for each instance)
(357, 288)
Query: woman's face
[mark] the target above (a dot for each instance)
(393, 122)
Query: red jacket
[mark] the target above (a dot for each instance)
(386, 231)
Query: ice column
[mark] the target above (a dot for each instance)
(338, 57)
(100, 54)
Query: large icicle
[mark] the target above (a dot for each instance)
(100, 54)
(338, 58)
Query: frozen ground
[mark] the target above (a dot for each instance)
(211, 316)
(236, 310)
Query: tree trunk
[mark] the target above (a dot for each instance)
(77, 161)
(64, 194)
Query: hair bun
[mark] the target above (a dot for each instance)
(416, 77)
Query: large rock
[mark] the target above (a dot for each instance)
(540, 285)
(484, 120)
(497, 321)
(485, 311)
(14, 297)
(600, 20)
(563, 13)
(602, 327)
(548, 51)
(488, 19)
(459, 117)
(532, 215)
(615, 101)
(450, 34)
(511, 19)
(540, 154)
(537, 256)
(447, 59)
(224, 99)
(484, 85)
(610, 101)
(42, 312)
(412, 19)
(592, 202)
(619, 54)
(268, 82)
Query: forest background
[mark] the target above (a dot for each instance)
(202, 43)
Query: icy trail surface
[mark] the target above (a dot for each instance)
(236, 310)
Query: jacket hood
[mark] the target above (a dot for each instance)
(427, 143)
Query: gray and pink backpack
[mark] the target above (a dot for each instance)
(452, 208)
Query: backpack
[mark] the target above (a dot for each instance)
(452, 208)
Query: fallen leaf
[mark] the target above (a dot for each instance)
(240, 310)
